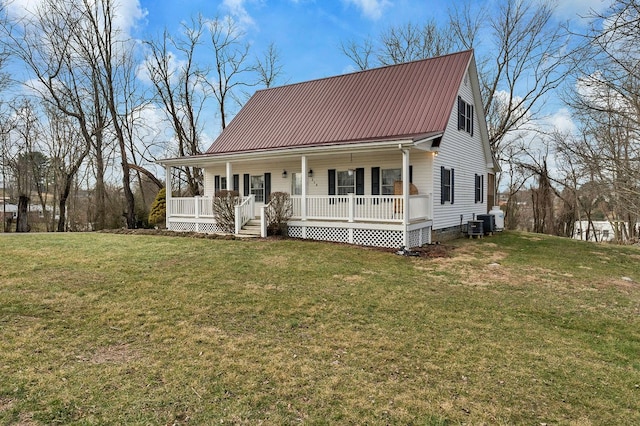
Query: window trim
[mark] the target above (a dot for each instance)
(295, 189)
(259, 198)
(352, 175)
(465, 116)
(392, 186)
(479, 188)
(447, 185)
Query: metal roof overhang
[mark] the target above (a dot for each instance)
(422, 142)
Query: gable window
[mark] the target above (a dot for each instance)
(389, 178)
(479, 186)
(465, 116)
(446, 185)
(257, 188)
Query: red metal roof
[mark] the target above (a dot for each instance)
(393, 102)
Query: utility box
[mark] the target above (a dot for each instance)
(488, 223)
(475, 228)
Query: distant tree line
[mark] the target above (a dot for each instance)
(78, 117)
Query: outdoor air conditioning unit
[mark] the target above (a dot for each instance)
(475, 228)
(488, 222)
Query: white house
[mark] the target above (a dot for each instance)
(393, 156)
(600, 230)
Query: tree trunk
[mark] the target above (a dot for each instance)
(22, 224)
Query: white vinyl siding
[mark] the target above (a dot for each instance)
(465, 154)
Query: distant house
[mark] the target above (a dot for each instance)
(393, 156)
(600, 230)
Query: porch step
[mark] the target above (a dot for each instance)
(251, 229)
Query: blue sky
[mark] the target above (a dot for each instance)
(308, 33)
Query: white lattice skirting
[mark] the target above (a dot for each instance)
(193, 226)
(390, 238)
(373, 235)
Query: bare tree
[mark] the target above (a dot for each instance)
(230, 64)
(180, 88)
(398, 44)
(68, 151)
(269, 66)
(606, 103)
(527, 59)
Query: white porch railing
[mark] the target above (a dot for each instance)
(370, 208)
(348, 208)
(194, 206)
(244, 212)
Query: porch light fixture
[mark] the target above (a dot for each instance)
(310, 174)
(284, 174)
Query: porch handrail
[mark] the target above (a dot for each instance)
(264, 219)
(350, 207)
(244, 212)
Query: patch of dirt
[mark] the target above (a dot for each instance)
(5, 404)
(116, 354)
(167, 233)
(350, 278)
(277, 261)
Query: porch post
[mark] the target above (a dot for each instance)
(303, 201)
(405, 198)
(229, 177)
(168, 194)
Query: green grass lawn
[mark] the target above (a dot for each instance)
(129, 329)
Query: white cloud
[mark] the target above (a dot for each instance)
(128, 12)
(372, 9)
(562, 121)
(238, 11)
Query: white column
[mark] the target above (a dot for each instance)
(168, 195)
(229, 177)
(405, 197)
(303, 202)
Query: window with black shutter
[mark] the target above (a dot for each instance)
(465, 116)
(446, 185)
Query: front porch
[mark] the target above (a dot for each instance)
(370, 220)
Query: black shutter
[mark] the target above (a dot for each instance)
(267, 187)
(332, 185)
(236, 183)
(375, 181)
(461, 111)
(332, 182)
(216, 185)
(470, 114)
(482, 188)
(410, 174)
(360, 181)
(452, 186)
(246, 185)
(442, 188)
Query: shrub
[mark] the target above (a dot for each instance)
(279, 212)
(224, 204)
(158, 213)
